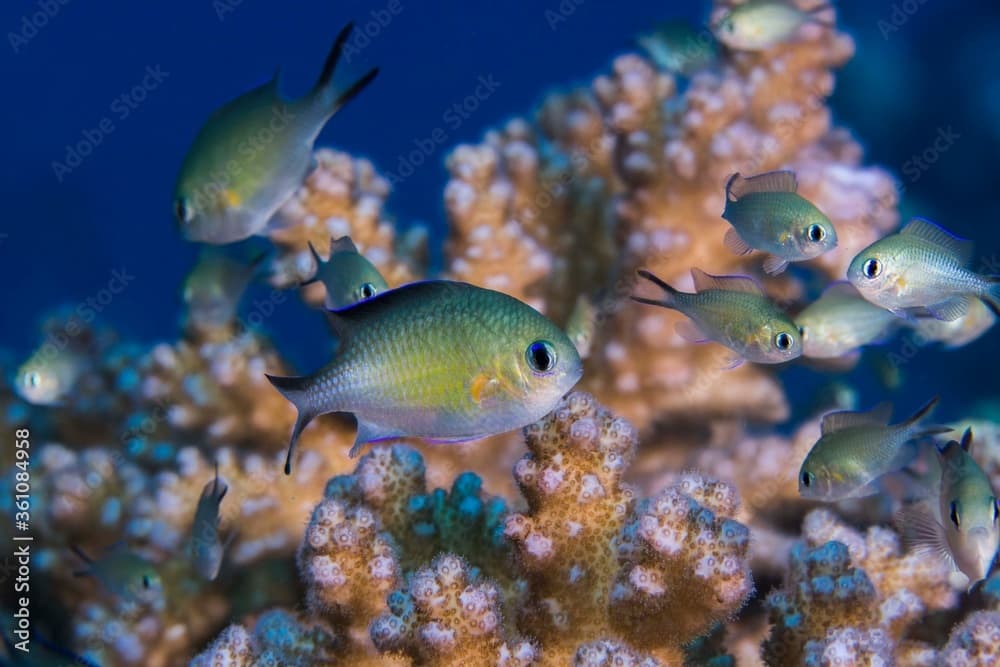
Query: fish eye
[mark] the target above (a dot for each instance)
(783, 341)
(541, 356)
(954, 515)
(996, 510)
(815, 233)
(145, 581)
(183, 212)
(33, 379)
(367, 291)
(872, 268)
(807, 478)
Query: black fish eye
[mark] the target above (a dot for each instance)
(996, 510)
(367, 291)
(816, 233)
(541, 356)
(145, 581)
(182, 210)
(783, 341)
(807, 478)
(872, 268)
(954, 515)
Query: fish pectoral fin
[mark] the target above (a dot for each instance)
(731, 361)
(922, 532)
(690, 332)
(485, 389)
(371, 432)
(773, 265)
(950, 310)
(735, 242)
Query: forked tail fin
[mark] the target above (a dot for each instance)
(296, 390)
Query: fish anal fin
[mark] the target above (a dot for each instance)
(838, 421)
(731, 361)
(772, 181)
(704, 282)
(926, 230)
(371, 432)
(773, 265)
(952, 309)
(735, 242)
(922, 532)
(690, 332)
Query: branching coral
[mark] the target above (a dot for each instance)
(974, 643)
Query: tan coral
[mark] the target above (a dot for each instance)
(975, 642)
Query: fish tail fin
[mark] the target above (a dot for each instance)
(325, 89)
(823, 15)
(991, 297)
(295, 390)
(913, 423)
(669, 293)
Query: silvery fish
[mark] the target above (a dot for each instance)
(123, 573)
(253, 153)
(959, 521)
(767, 214)
(922, 267)
(48, 376)
(956, 333)
(733, 311)
(582, 325)
(206, 544)
(840, 322)
(856, 449)
(439, 359)
(347, 275)
(760, 24)
(213, 289)
(676, 46)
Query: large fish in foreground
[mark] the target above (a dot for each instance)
(733, 311)
(253, 153)
(440, 360)
(959, 521)
(922, 267)
(856, 449)
(767, 213)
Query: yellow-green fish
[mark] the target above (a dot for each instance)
(733, 311)
(213, 289)
(856, 449)
(439, 359)
(760, 24)
(253, 153)
(767, 214)
(206, 544)
(49, 374)
(959, 520)
(348, 276)
(840, 322)
(676, 46)
(956, 333)
(922, 268)
(123, 573)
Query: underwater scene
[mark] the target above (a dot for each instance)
(568, 332)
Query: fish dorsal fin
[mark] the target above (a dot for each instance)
(952, 448)
(316, 256)
(772, 181)
(838, 421)
(926, 230)
(706, 281)
(967, 440)
(343, 244)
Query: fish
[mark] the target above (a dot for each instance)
(959, 520)
(581, 327)
(856, 449)
(440, 360)
(49, 375)
(756, 25)
(213, 289)
(733, 311)
(840, 322)
(207, 548)
(767, 213)
(922, 269)
(122, 573)
(676, 46)
(347, 275)
(253, 152)
(957, 333)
